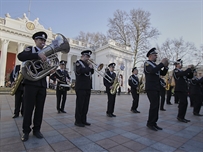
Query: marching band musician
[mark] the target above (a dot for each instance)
(83, 86)
(111, 97)
(19, 92)
(162, 93)
(152, 86)
(195, 92)
(181, 88)
(62, 77)
(133, 82)
(34, 91)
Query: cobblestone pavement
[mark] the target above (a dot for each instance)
(126, 133)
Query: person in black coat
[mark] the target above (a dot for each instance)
(62, 77)
(19, 92)
(196, 94)
(133, 82)
(34, 91)
(152, 86)
(162, 93)
(83, 85)
(108, 81)
(181, 88)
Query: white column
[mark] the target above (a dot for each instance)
(20, 49)
(69, 64)
(125, 77)
(78, 57)
(3, 60)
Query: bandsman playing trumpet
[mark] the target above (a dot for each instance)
(62, 77)
(83, 85)
(133, 82)
(181, 88)
(152, 86)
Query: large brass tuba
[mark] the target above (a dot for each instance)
(31, 69)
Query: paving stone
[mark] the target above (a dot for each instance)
(126, 132)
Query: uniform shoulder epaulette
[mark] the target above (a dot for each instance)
(77, 63)
(146, 64)
(29, 48)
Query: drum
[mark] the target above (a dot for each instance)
(64, 87)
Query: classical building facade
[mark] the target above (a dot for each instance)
(16, 34)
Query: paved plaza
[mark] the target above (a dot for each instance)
(125, 133)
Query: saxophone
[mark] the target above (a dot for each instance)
(168, 84)
(16, 84)
(115, 84)
(140, 85)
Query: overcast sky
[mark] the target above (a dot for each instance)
(173, 18)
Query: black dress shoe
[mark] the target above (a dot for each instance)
(109, 115)
(87, 123)
(38, 134)
(63, 111)
(25, 137)
(15, 116)
(163, 109)
(58, 111)
(187, 120)
(152, 128)
(158, 128)
(79, 124)
(182, 120)
(197, 114)
(135, 111)
(113, 115)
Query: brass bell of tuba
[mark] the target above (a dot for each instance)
(34, 70)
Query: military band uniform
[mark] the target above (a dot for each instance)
(61, 76)
(83, 86)
(19, 92)
(162, 94)
(152, 87)
(196, 94)
(111, 97)
(181, 90)
(133, 82)
(152, 73)
(34, 92)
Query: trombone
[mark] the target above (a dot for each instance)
(98, 68)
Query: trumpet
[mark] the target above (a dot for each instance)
(98, 68)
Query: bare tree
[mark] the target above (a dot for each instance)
(178, 49)
(133, 29)
(92, 38)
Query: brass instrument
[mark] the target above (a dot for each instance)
(115, 84)
(30, 68)
(98, 68)
(141, 85)
(116, 81)
(16, 84)
(168, 84)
